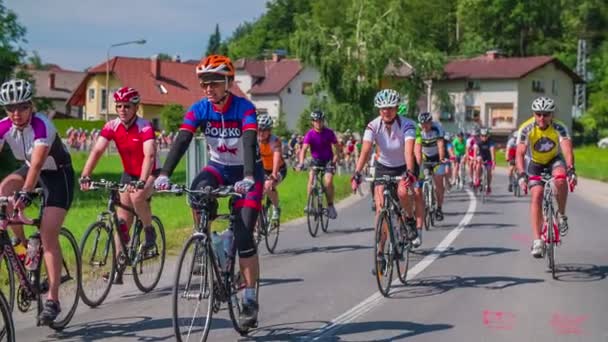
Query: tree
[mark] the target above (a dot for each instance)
(215, 40)
(164, 57)
(171, 117)
(280, 126)
(11, 35)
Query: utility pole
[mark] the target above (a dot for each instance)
(580, 97)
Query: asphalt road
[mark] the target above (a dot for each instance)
(473, 279)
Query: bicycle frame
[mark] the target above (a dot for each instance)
(549, 205)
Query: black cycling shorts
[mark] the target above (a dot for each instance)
(534, 169)
(327, 164)
(58, 185)
(383, 170)
(282, 173)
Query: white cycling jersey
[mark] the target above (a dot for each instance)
(390, 145)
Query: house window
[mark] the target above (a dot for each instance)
(472, 114)
(306, 88)
(554, 87)
(104, 99)
(537, 86)
(91, 94)
(156, 124)
(473, 85)
(288, 90)
(446, 116)
(501, 115)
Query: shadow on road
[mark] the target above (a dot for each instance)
(285, 331)
(431, 286)
(477, 213)
(468, 251)
(581, 272)
(384, 331)
(278, 281)
(451, 226)
(325, 249)
(349, 231)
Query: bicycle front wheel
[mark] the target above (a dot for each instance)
(312, 218)
(323, 217)
(193, 291)
(551, 245)
(383, 251)
(98, 259)
(149, 266)
(69, 288)
(402, 251)
(7, 329)
(272, 233)
(7, 280)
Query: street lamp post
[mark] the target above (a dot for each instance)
(140, 42)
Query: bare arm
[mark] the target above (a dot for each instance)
(303, 153)
(566, 146)
(410, 160)
(39, 155)
(149, 159)
(441, 147)
(519, 157)
(100, 146)
(276, 159)
(418, 153)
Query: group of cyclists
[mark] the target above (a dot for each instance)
(245, 153)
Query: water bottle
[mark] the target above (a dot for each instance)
(33, 252)
(227, 241)
(19, 249)
(218, 248)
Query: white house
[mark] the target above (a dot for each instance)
(276, 86)
(497, 92)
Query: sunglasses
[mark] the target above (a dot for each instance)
(125, 106)
(17, 107)
(543, 114)
(212, 84)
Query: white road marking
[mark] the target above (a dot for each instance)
(377, 298)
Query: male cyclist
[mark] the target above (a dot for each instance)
(136, 143)
(510, 152)
(547, 145)
(430, 145)
(471, 142)
(323, 144)
(230, 129)
(485, 156)
(459, 146)
(33, 139)
(272, 161)
(449, 154)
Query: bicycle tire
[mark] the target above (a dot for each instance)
(433, 206)
(7, 274)
(484, 184)
(427, 209)
(234, 284)
(323, 217)
(137, 274)
(272, 233)
(311, 215)
(551, 244)
(402, 259)
(41, 279)
(205, 288)
(7, 332)
(384, 273)
(90, 265)
(260, 227)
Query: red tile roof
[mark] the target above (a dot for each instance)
(178, 78)
(494, 67)
(273, 76)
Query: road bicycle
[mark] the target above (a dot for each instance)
(7, 329)
(267, 227)
(429, 193)
(100, 263)
(316, 209)
(34, 284)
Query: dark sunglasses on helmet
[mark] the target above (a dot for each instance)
(124, 105)
(17, 107)
(543, 114)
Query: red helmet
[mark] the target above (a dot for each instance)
(126, 94)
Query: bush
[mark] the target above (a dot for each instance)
(172, 116)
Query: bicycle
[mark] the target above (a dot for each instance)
(515, 185)
(268, 228)
(484, 186)
(429, 193)
(205, 277)
(7, 330)
(316, 210)
(33, 284)
(461, 174)
(99, 259)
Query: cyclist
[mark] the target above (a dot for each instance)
(471, 142)
(510, 152)
(394, 137)
(449, 153)
(135, 141)
(350, 147)
(485, 156)
(431, 147)
(275, 168)
(33, 139)
(545, 144)
(323, 144)
(230, 130)
(459, 147)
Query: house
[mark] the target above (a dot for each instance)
(159, 82)
(497, 92)
(55, 86)
(277, 86)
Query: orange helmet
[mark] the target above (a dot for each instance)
(217, 65)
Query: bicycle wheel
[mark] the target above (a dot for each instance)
(312, 218)
(428, 214)
(260, 227)
(433, 205)
(98, 259)
(193, 291)
(484, 184)
(235, 283)
(322, 205)
(402, 251)
(149, 266)
(7, 329)
(383, 254)
(69, 289)
(551, 244)
(7, 280)
(272, 233)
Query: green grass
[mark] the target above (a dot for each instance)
(63, 124)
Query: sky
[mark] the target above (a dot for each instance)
(76, 34)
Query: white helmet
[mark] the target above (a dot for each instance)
(387, 98)
(15, 91)
(543, 104)
(264, 122)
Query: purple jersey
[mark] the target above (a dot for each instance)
(321, 143)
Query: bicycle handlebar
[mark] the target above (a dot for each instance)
(221, 191)
(104, 184)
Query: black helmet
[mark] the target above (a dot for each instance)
(317, 115)
(425, 117)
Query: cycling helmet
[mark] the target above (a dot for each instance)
(127, 94)
(475, 131)
(425, 117)
(515, 134)
(317, 115)
(15, 91)
(264, 122)
(387, 98)
(215, 68)
(484, 131)
(543, 104)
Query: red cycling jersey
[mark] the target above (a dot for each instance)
(130, 142)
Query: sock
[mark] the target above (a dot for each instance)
(250, 294)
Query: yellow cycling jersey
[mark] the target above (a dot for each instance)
(543, 145)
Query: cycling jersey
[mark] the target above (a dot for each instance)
(459, 147)
(267, 151)
(511, 148)
(321, 143)
(390, 146)
(543, 145)
(40, 131)
(471, 142)
(350, 146)
(130, 142)
(429, 139)
(484, 150)
(223, 129)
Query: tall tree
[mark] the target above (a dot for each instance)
(11, 35)
(215, 41)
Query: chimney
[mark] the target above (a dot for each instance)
(177, 58)
(52, 80)
(493, 54)
(155, 66)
